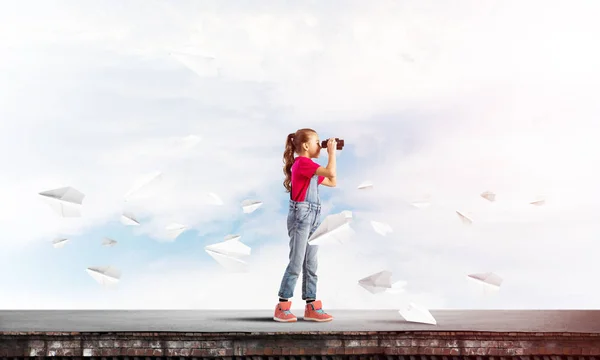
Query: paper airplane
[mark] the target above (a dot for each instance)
(174, 230)
(488, 279)
(397, 287)
(365, 185)
(108, 242)
(65, 201)
(104, 275)
(128, 219)
(381, 228)
(142, 182)
(59, 243)
(201, 65)
(539, 201)
(213, 199)
(250, 205)
(464, 218)
(334, 229)
(229, 253)
(488, 195)
(422, 204)
(232, 237)
(381, 282)
(414, 313)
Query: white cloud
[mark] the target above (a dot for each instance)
(433, 99)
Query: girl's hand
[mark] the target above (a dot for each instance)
(331, 146)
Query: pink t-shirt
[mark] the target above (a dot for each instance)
(303, 170)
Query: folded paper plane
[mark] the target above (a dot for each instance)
(64, 201)
(417, 314)
(128, 219)
(108, 242)
(230, 253)
(143, 182)
(488, 279)
(539, 201)
(381, 228)
(104, 275)
(174, 230)
(213, 199)
(59, 243)
(201, 65)
(421, 204)
(464, 218)
(249, 206)
(335, 229)
(381, 282)
(365, 185)
(488, 195)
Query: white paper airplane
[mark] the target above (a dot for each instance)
(65, 201)
(421, 204)
(104, 275)
(365, 185)
(381, 228)
(464, 218)
(418, 314)
(59, 242)
(489, 279)
(128, 219)
(381, 282)
(335, 229)
(108, 242)
(250, 205)
(397, 287)
(213, 199)
(201, 65)
(232, 237)
(539, 201)
(230, 253)
(142, 182)
(488, 195)
(174, 230)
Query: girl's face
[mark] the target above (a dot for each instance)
(314, 146)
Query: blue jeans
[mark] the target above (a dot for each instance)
(302, 221)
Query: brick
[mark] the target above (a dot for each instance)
(202, 352)
(154, 344)
(489, 344)
(351, 343)
(471, 344)
(333, 343)
(36, 352)
(174, 344)
(177, 352)
(36, 344)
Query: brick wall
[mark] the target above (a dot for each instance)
(224, 345)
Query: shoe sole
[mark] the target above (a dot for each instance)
(283, 320)
(317, 320)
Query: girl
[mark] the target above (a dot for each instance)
(302, 178)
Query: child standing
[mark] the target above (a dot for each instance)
(302, 178)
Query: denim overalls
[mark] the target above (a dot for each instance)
(302, 221)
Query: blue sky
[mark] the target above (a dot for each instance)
(437, 101)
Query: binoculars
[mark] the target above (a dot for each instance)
(339, 144)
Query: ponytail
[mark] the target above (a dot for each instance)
(293, 142)
(288, 161)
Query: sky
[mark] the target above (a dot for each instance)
(435, 100)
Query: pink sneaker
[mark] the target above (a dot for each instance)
(283, 313)
(314, 312)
